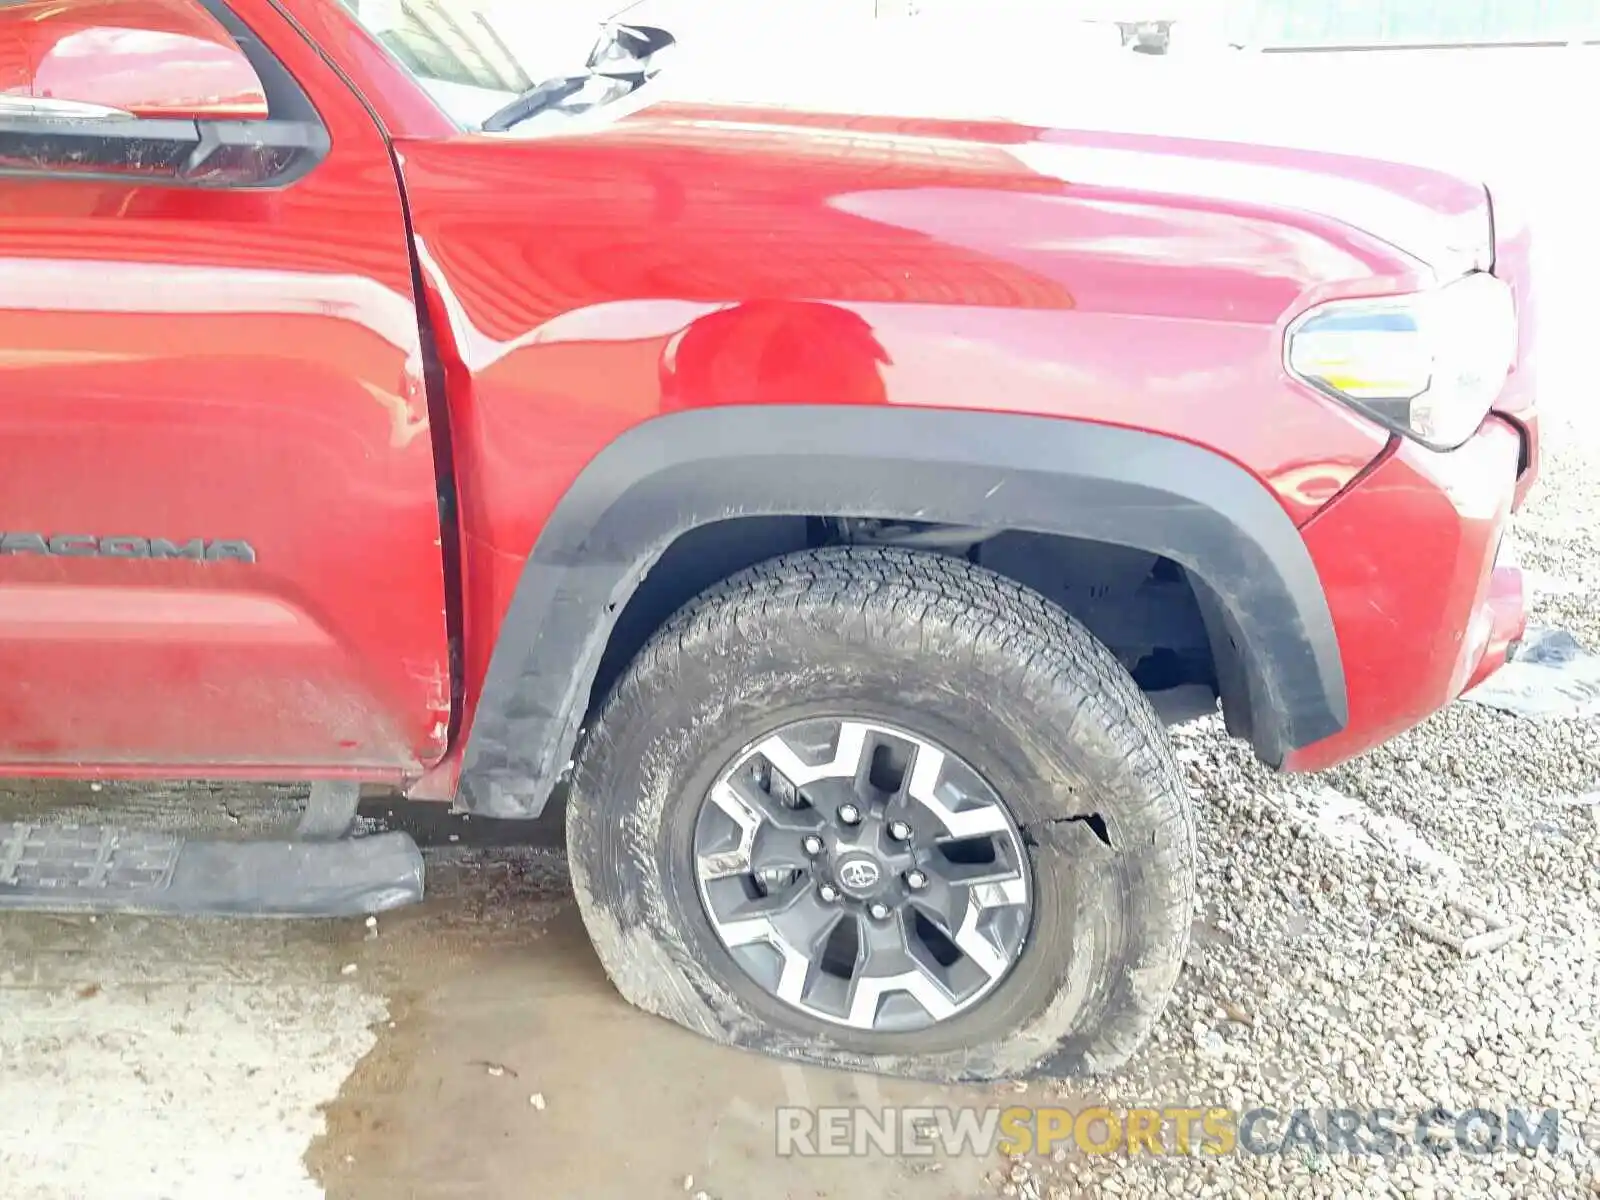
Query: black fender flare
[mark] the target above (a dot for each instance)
(676, 472)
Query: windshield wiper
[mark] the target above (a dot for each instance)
(535, 100)
(620, 63)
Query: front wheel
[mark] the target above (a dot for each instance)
(890, 811)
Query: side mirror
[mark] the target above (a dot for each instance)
(624, 50)
(148, 58)
(143, 90)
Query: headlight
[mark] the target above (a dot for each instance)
(1428, 365)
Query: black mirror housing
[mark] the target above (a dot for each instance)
(234, 154)
(627, 49)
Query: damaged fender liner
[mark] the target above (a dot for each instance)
(1040, 474)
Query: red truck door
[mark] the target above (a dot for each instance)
(219, 532)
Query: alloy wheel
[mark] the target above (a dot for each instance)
(863, 874)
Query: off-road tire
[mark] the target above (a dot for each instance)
(935, 645)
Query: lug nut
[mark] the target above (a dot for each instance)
(812, 844)
(849, 814)
(828, 892)
(916, 880)
(900, 831)
(879, 911)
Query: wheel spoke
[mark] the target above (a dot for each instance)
(807, 922)
(846, 760)
(795, 964)
(862, 874)
(883, 947)
(722, 863)
(797, 926)
(976, 817)
(941, 902)
(868, 992)
(744, 801)
(1000, 893)
(778, 850)
(973, 941)
(769, 832)
(978, 875)
(771, 906)
(957, 909)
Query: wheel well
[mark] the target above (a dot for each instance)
(1141, 605)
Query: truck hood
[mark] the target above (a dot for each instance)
(1223, 125)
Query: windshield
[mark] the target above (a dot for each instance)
(475, 56)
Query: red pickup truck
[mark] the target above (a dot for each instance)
(836, 502)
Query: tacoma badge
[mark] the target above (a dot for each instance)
(84, 545)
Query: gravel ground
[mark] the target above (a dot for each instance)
(1309, 985)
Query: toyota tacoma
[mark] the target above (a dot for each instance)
(834, 501)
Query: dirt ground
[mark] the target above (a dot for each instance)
(499, 1005)
(470, 1046)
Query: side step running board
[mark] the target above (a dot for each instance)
(82, 868)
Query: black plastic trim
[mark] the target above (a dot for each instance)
(159, 151)
(677, 472)
(286, 99)
(135, 151)
(220, 877)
